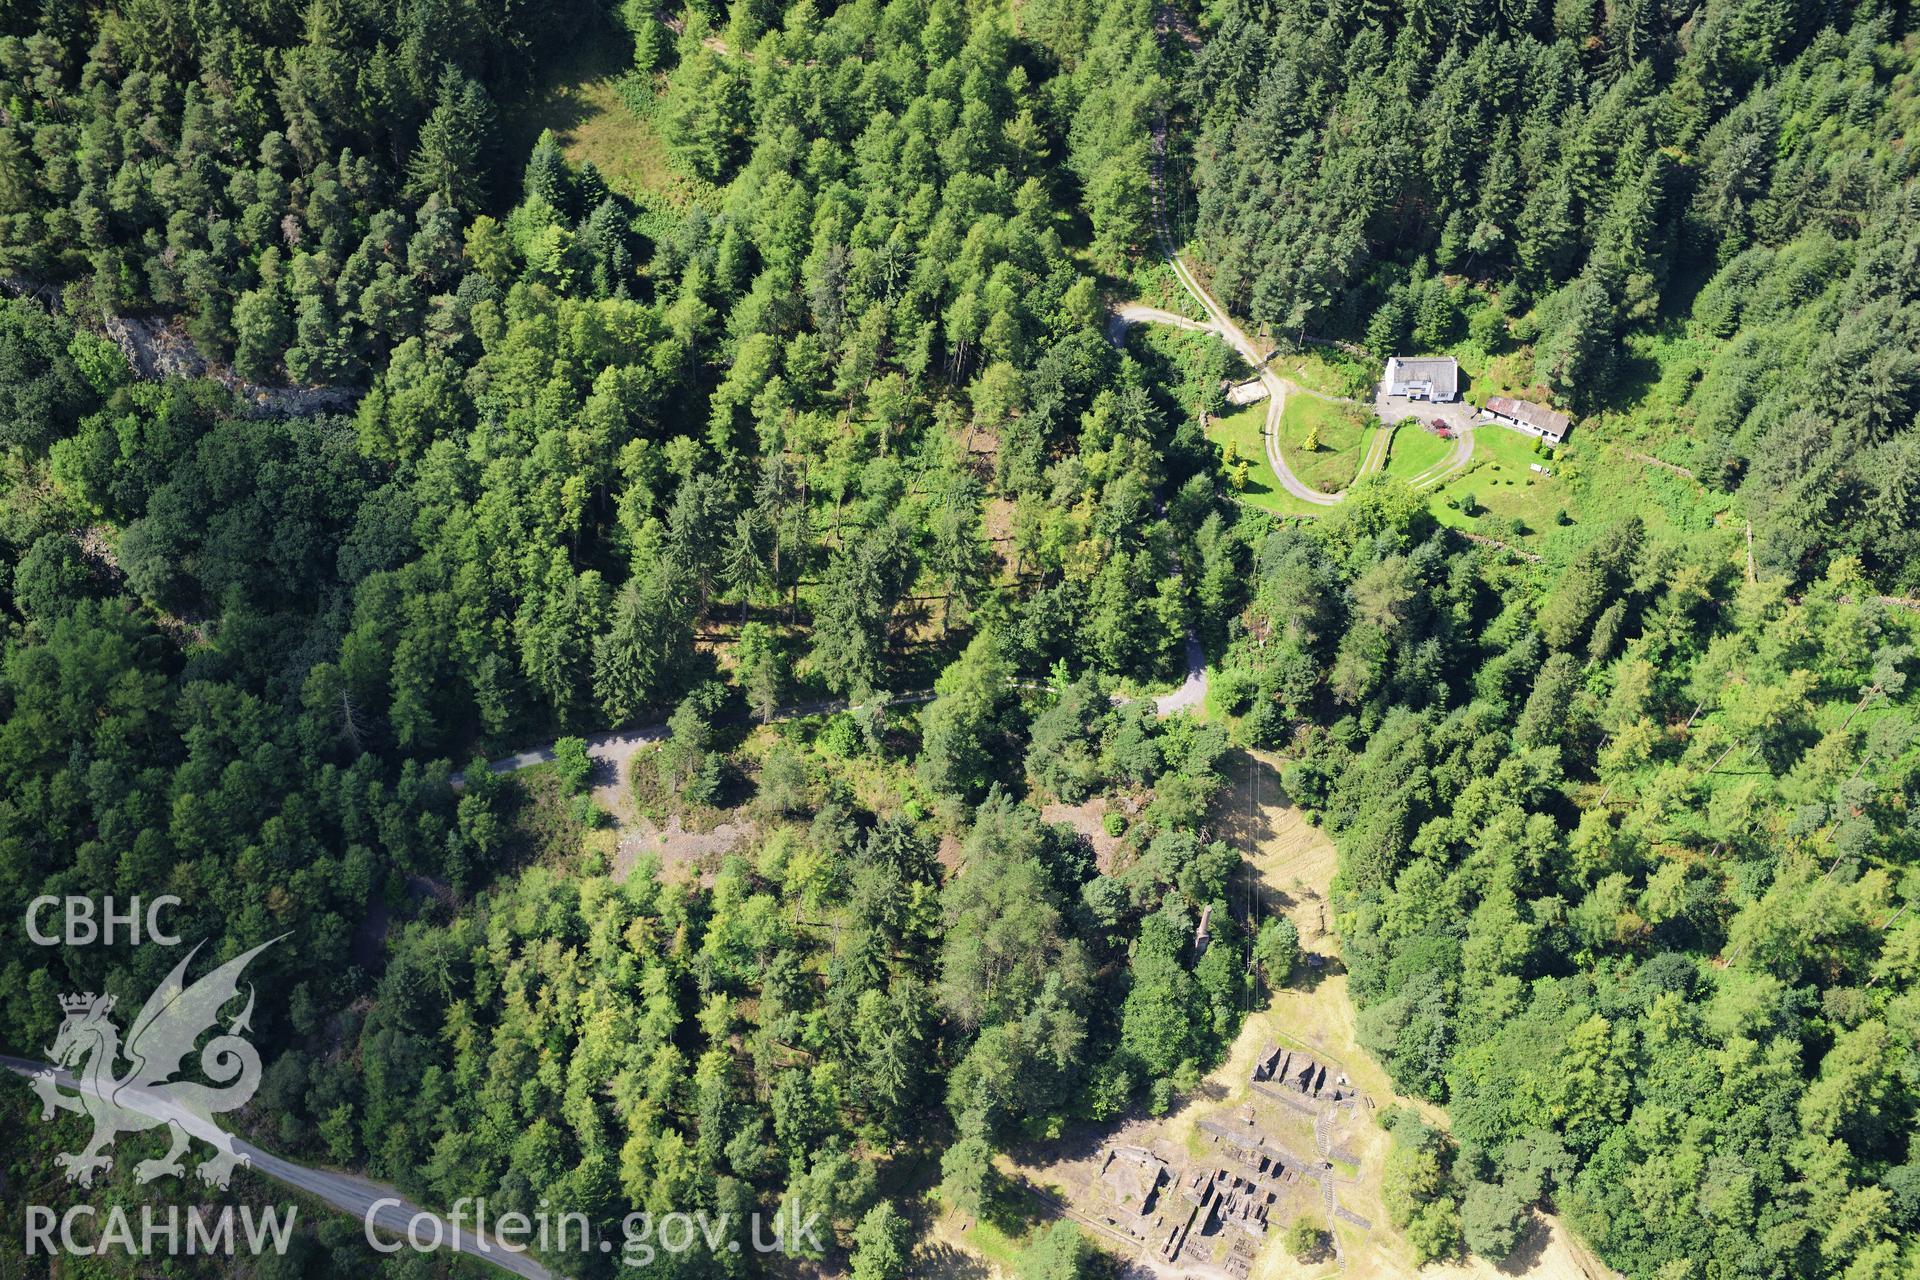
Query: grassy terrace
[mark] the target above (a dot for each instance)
(1342, 438)
(1414, 449)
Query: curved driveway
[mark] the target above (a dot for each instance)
(1276, 386)
(1221, 323)
(1448, 466)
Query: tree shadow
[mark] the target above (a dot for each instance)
(1634, 377)
(937, 1261)
(1018, 1205)
(1208, 1090)
(1308, 975)
(1253, 786)
(1080, 1140)
(1531, 1247)
(1319, 1251)
(554, 100)
(603, 773)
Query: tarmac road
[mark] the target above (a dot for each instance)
(346, 1192)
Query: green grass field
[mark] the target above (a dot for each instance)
(1342, 432)
(1501, 483)
(1414, 449)
(1607, 480)
(1242, 428)
(1593, 482)
(582, 103)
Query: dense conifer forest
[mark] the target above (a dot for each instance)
(362, 424)
(1567, 174)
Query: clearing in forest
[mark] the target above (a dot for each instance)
(1289, 869)
(582, 101)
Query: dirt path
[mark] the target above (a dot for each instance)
(1278, 388)
(1377, 448)
(1132, 313)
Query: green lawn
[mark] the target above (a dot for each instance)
(1242, 429)
(1593, 481)
(1414, 449)
(1505, 447)
(1501, 483)
(1342, 432)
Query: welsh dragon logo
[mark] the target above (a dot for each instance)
(88, 1051)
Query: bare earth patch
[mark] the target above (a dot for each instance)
(694, 854)
(1085, 819)
(949, 853)
(1290, 866)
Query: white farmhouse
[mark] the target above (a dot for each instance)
(1431, 378)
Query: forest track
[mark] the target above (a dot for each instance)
(1132, 313)
(1193, 690)
(1277, 387)
(611, 749)
(348, 1193)
(1375, 456)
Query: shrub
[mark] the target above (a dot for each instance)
(1277, 949)
(571, 762)
(1305, 1238)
